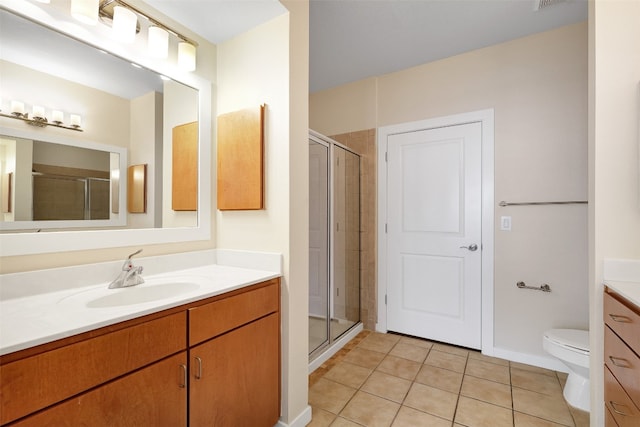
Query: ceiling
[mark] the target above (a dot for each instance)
(354, 39)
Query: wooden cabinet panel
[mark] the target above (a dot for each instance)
(235, 378)
(609, 421)
(623, 363)
(38, 381)
(623, 320)
(240, 181)
(153, 396)
(210, 320)
(184, 175)
(618, 402)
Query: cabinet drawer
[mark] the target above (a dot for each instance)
(623, 363)
(618, 402)
(609, 421)
(36, 382)
(153, 396)
(218, 317)
(623, 320)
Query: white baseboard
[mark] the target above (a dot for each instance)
(547, 362)
(335, 347)
(300, 421)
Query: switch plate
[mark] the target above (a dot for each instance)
(505, 223)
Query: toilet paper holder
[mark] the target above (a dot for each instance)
(544, 287)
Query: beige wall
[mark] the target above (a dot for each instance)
(614, 172)
(267, 65)
(537, 86)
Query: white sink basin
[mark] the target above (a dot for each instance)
(147, 292)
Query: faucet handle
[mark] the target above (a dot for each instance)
(134, 254)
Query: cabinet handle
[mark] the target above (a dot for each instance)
(620, 318)
(619, 362)
(198, 368)
(183, 384)
(617, 411)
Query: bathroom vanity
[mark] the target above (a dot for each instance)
(622, 354)
(210, 357)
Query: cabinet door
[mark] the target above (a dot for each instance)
(153, 396)
(235, 378)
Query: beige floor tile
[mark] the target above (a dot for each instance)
(409, 417)
(410, 351)
(452, 349)
(533, 369)
(363, 357)
(524, 420)
(446, 360)
(330, 395)
(549, 408)
(399, 367)
(580, 418)
(370, 410)
(321, 418)
(562, 377)
(534, 381)
(488, 371)
(443, 379)
(418, 342)
(341, 422)
(432, 400)
(487, 391)
(382, 343)
(474, 413)
(387, 386)
(479, 356)
(348, 374)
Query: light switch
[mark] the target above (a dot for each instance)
(505, 223)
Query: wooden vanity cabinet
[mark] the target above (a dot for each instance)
(209, 363)
(235, 360)
(621, 361)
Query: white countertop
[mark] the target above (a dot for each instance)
(629, 290)
(38, 318)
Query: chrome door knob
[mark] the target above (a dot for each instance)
(472, 247)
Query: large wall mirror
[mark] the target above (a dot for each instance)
(61, 183)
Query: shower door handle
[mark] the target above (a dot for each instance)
(472, 247)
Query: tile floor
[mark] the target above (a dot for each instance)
(391, 380)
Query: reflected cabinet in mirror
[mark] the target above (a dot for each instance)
(57, 179)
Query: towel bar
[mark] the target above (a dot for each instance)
(544, 287)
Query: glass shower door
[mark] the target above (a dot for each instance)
(346, 241)
(318, 245)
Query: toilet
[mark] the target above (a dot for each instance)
(571, 346)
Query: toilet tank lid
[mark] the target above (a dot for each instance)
(570, 337)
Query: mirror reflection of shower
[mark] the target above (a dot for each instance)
(334, 242)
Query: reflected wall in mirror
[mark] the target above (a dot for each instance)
(122, 106)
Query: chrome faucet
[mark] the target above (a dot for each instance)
(130, 275)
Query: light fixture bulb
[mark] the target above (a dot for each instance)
(85, 11)
(57, 116)
(38, 112)
(17, 108)
(158, 42)
(76, 120)
(124, 24)
(186, 56)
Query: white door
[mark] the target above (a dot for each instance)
(434, 215)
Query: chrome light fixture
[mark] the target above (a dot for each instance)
(113, 11)
(38, 118)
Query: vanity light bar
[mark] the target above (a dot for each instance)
(39, 120)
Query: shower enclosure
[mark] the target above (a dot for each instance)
(334, 242)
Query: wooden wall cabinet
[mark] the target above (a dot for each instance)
(621, 361)
(225, 366)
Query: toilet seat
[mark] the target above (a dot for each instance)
(571, 339)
